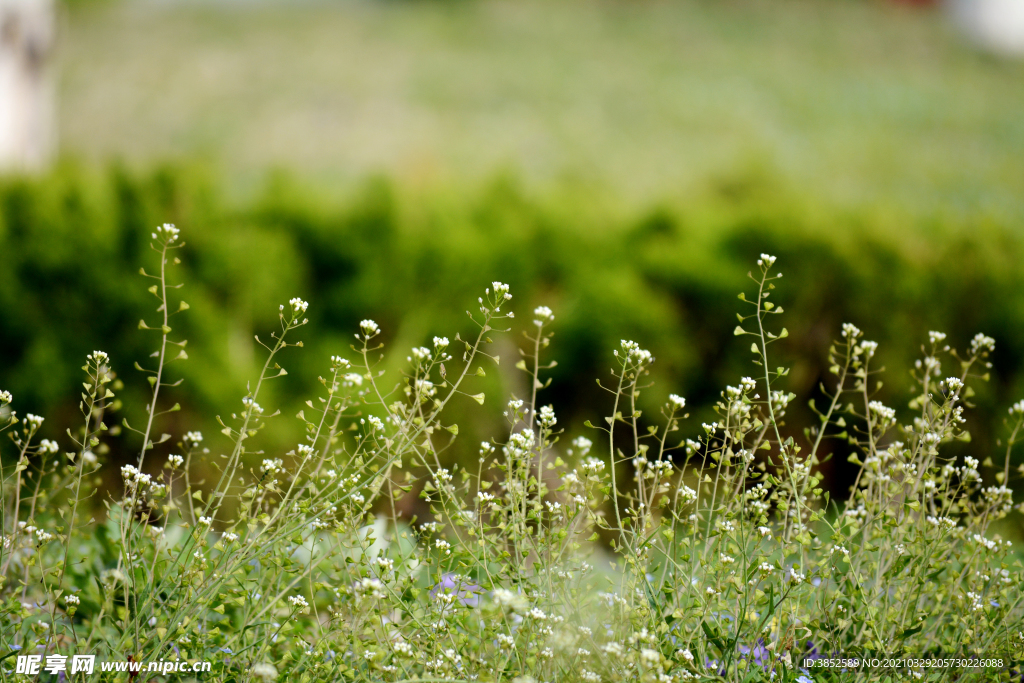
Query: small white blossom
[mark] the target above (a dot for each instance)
(851, 331)
(547, 417)
(298, 306)
(982, 344)
(166, 232)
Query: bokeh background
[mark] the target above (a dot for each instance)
(622, 161)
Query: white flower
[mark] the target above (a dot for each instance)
(583, 444)
(5, 397)
(544, 315)
(649, 656)
(298, 306)
(375, 422)
(402, 648)
(954, 383)
(868, 348)
(686, 654)
(166, 232)
(420, 353)
(633, 354)
(766, 260)
(369, 328)
(547, 416)
(884, 415)
(936, 337)
(537, 614)
(440, 343)
(70, 599)
(354, 378)
(506, 598)
(298, 602)
(264, 670)
(272, 465)
(251, 405)
(688, 495)
(1017, 408)
(194, 438)
(175, 461)
(851, 331)
(982, 344)
(501, 291)
(677, 402)
(33, 421)
(47, 447)
(133, 476)
(43, 536)
(441, 544)
(230, 537)
(98, 357)
(205, 521)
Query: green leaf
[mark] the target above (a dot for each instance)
(738, 331)
(479, 398)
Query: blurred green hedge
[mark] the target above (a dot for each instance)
(71, 245)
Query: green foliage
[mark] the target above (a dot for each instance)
(70, 245)
(724, 559)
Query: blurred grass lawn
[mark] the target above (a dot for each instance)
(851, 102)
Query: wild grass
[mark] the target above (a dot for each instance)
(645, 548)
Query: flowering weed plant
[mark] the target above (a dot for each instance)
(645, 548)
